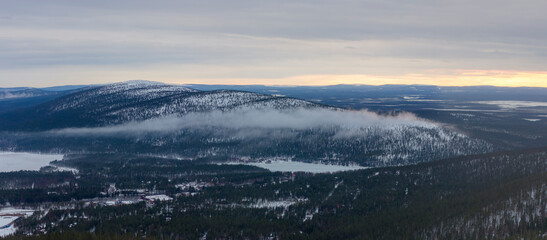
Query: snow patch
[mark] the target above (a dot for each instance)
(160, 197)
(65, 169)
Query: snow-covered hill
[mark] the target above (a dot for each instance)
(139, 100)
(151, 117)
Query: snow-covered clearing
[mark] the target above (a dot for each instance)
(65, 169)
(6, 231)
(16, 161)
(264, 203)
(7, 216)
(160, 197)
(10, 210)
(275, 204)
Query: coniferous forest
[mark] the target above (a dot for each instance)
(492, 196)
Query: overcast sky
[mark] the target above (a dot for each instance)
(319, 42)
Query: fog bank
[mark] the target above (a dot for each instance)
(343, 121)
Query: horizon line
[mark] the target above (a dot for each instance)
(276, 85)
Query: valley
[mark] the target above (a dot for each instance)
(154, 161)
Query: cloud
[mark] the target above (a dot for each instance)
(249, 123)
(68, 42)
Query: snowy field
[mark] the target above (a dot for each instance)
(16, 161)
(5, 220)
(289, 166)
(8, 215)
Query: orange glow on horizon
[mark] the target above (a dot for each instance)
(461, 77)
(498, 78)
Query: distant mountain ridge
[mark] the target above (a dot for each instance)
(25, 97)
(330, 92)
(22, 93)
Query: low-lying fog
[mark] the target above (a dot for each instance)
(344, 122)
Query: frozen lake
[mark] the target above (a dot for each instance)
(514, 104)
(16, 161)
(290, 166)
